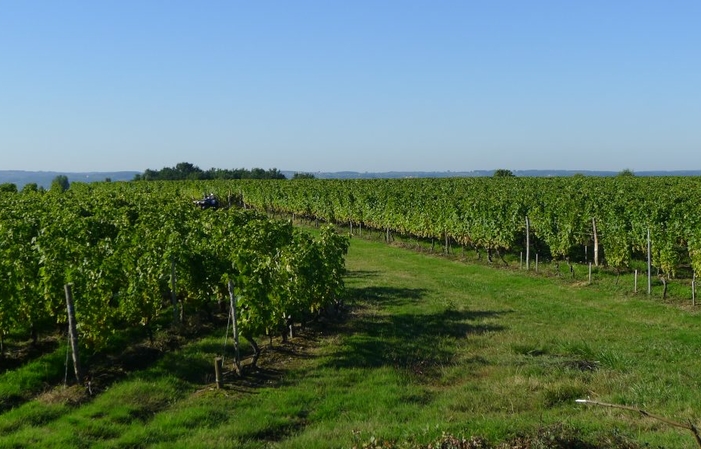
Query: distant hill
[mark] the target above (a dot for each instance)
(44, 178)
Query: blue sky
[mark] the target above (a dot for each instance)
(350, 85)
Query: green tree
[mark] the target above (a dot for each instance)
(303, 176)
(503, 173)
(60, 183)
(8, 187)
(31, 187)
(186, 170)
(626, 172)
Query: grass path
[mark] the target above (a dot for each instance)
(429, 345)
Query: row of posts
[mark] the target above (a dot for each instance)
(218, 361)
(596, 260)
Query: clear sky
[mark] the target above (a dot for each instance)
(334, 85)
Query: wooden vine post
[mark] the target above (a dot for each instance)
(73, 333)
(232, 300)
(528, 243)
(693, 290)
(173, 294)
(649, 264)
(596, 242)
(218, 372)
(590, 272)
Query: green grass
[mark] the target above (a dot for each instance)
(429, 345)
(20, 384)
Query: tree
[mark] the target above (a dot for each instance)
(8, 187)
(186, 170)
(274, 173)
(303, 176)
(60, 183)
(31, 187)
(503, 173)
(626, 172)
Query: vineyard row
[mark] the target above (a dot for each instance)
(611, 216)
(129, 248)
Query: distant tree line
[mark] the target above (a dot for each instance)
(60, 184)
(186, 170)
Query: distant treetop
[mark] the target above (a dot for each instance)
(186, 170)
(626, 172)
(503, 173)
(60, 184)
(32, 187)
(8, 187)
(303, 176)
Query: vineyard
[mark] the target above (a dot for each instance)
(135, 252)
(122, 246)
(601, 220)
(424, 344)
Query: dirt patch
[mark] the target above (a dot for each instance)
(582, 365)
(274, 362)
(73, 395)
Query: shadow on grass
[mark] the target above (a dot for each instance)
(419, 343)
(19, 354)
(361, 274)
(387, 296)
(279, 431)
(416, 342)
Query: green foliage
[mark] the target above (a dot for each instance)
(303, 176)
(503, 173)
(626, 172)
(31, 187)
(187, 171)
(489, 213)
(118, 244)
(60, 184)
(8, 187)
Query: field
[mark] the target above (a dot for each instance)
(426, 346)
